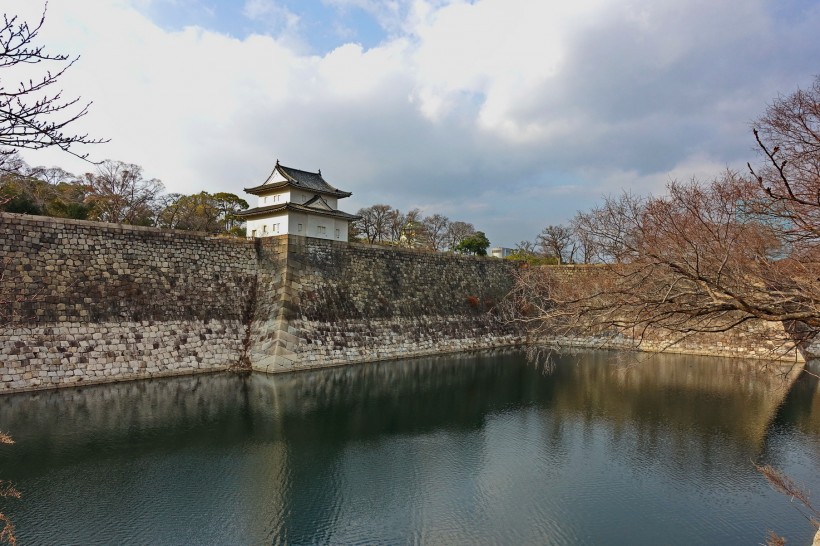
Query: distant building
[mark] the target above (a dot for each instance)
(501, 252)
(411, 234)
(297, 202)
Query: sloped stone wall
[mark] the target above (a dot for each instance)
(88, 302)
(337, 303)
(750, 340)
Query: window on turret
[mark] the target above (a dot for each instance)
(264, 229)
(337, 233)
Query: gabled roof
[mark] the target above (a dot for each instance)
(318, 202)
(295, 178)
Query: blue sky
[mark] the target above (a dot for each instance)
(510, 114)
(318, 25)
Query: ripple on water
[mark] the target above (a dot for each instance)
(420, 452)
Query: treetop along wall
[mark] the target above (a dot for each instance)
(86, 302)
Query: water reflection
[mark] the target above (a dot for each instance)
(467, 449)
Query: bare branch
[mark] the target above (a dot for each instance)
(33, 116)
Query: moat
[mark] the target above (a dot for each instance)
(470, 449)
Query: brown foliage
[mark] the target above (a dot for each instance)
(120, 194)
(786, 486)
(773, 539)
(7, 490)
(704, 258)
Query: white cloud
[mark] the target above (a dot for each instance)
(389, 14)
(534, 108)
(271, 12)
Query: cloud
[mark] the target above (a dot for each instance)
(279, 17)
(389, 14)
(508, 114)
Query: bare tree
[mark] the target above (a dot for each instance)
(525, 247)
(395, 225)
(53, 175)
(705, 258)
(557, 242)
(412, 229)
(32, 114)
(691, 262)
(41, 191)
(585, 245)
(119, 193)
(435, 231)
(169, 210)
(788, 138)
(413, 215)
(375, 222)
(458, 231)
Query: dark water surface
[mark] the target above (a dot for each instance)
(475, 449)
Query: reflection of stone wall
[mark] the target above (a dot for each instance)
(88, 302)
(721, 396)
(338, 303)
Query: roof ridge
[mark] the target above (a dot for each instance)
(284, 171)
(300, 170)
(298, 178)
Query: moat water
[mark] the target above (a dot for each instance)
(473, 449)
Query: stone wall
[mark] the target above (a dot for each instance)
(325, 303)
(85, 302)
(766, 341)
(750, 340)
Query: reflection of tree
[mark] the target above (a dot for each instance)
(802, 406)
(724, 399)
(367, 401)
(303, 437)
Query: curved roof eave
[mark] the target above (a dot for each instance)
(262, 189)
(272, 209)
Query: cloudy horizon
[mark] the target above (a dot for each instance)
(509, 114)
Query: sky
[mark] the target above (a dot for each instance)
(509, 114)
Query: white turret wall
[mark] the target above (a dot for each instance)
(306, 225)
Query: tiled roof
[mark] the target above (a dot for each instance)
(272, 209)
(297, 178)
